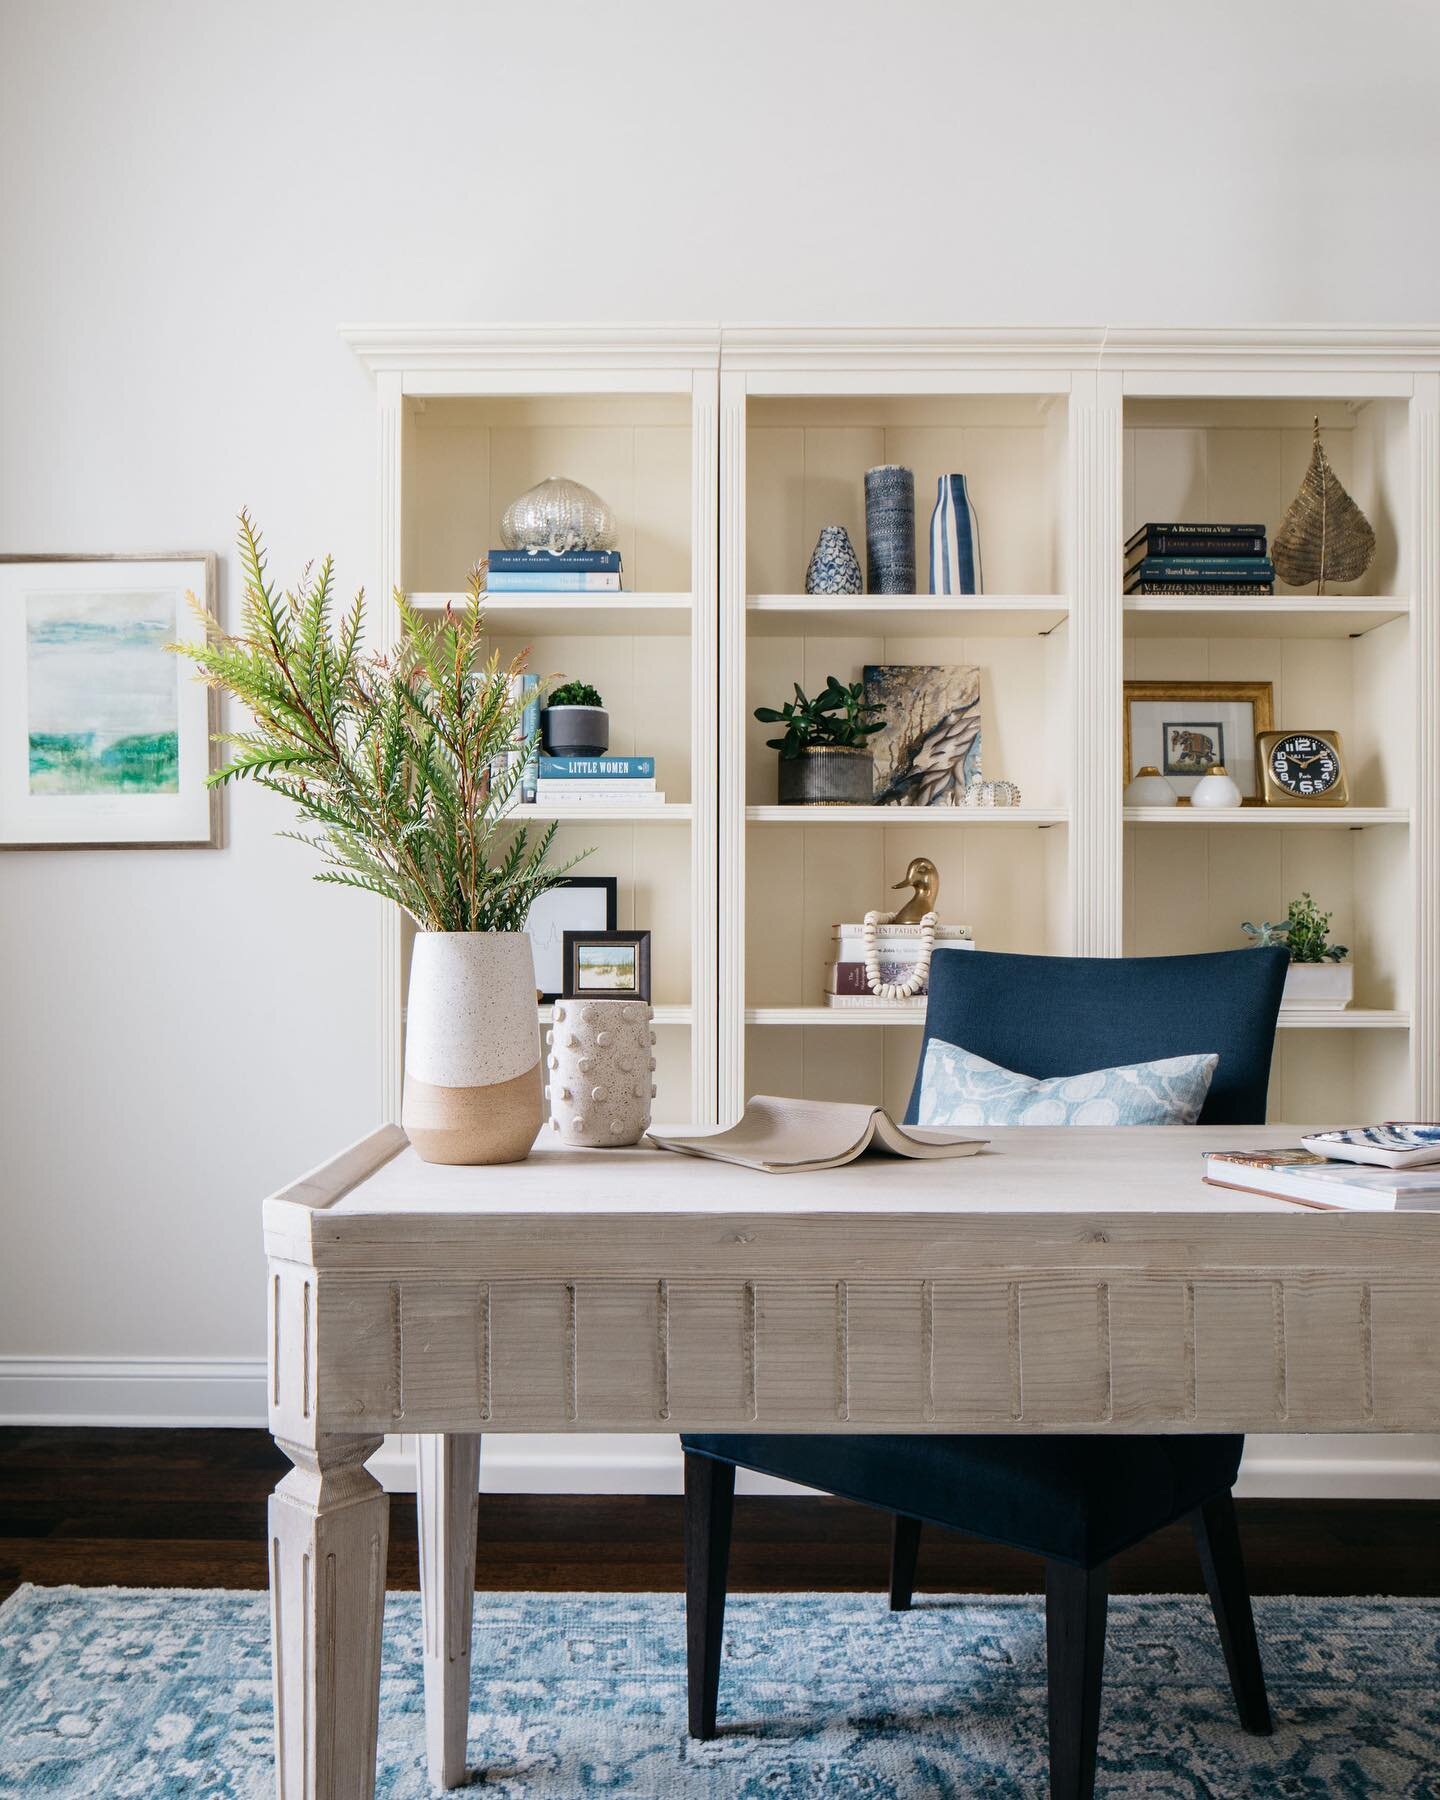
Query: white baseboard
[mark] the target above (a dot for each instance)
(230, 1391)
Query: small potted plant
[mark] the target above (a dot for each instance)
(824, 757)
(1319, 974)
(574, 722)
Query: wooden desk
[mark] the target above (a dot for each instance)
(1068, 1280)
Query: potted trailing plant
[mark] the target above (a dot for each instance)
(1319, 974)
(574, 722)
(824, 757)
(404, 766)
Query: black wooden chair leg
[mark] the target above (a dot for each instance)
(1217, 1538)
(1075, 1605)
(709, 1510)
(904, 1550)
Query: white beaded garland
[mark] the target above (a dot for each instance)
(919, 976)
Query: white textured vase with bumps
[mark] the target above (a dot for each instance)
(601, 1067)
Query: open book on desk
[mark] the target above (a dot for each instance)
(785, 1137)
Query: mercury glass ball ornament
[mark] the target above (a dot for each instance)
(558, 514)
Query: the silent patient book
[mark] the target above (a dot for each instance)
(785, 1137)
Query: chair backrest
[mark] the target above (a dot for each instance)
(1064, 1015)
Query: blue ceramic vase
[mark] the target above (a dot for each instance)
(890, 529)
(954, 540)
(834, 566)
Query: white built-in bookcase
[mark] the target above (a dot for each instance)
(723, 451)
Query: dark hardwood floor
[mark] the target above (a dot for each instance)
(187, 1509)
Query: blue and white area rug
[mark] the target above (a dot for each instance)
(128, 1694)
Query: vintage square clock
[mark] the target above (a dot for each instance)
(1302, 768)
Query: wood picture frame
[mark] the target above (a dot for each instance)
(607, 965)
(1214, 738)
(99, 748)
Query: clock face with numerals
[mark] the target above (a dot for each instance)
(1303, 765)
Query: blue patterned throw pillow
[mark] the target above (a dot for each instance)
(959, 1088)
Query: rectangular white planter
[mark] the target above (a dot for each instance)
(1325, 984)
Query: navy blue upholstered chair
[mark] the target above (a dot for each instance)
(1077, 1501)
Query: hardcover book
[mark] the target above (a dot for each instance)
(1310, 1180)
(1154, 540)
(545, 581)
(1175, 588)
(1182, 529)
(597, 768)
(1202, 568)
(601, 562)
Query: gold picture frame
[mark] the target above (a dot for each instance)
(1275, 795)
(1229, 739)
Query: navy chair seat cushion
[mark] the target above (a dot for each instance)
(1066, 1015)
(1080, 1500)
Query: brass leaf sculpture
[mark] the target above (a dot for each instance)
(1324, 536)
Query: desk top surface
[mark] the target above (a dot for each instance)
(1137, 1169)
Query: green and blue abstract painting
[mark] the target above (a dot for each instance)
(104, 695)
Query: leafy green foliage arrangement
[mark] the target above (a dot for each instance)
(575, 693)
(400, 760)
(834, 719)
(1304, 934)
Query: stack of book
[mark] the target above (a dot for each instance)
(1199, 559)
(553, 572)
(597, 781)
(847, 982)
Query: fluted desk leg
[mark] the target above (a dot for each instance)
(447, 1497)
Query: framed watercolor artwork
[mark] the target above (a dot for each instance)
(1184, 728)
(580, 903)
(105, 736)
(607, 965)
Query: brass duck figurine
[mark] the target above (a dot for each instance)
(924, 877)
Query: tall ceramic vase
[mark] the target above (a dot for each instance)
(890, 529)
(954, 540)
(472, 1048)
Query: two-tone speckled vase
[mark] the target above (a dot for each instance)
(890, 529)
(472, 1048)
(602, 1066)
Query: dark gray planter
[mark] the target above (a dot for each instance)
(574, 730)
(827, 776)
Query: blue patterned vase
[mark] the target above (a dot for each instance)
(834, 566)
(954, 540)
(890, 529)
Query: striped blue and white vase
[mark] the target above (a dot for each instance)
(954, 540)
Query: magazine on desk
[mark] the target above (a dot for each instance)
(1307, 1179)
(782, 1136)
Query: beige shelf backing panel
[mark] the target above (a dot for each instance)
(1024, 700)
(1241, 461)
(806, 463)
(467, 459)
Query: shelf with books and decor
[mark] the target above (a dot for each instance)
(1249, 616)
(546, 615)
(1264, 818)
(905, 615)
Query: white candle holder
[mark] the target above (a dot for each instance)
(601, 1066)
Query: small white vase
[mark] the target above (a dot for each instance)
(1216, 789)
(601, 1071)
(472, 1048)
(1150, 788)
(1319, 984)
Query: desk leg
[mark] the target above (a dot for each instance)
(447, 1500)
(329, 1526)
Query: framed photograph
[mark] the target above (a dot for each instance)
(1183, 728)
(584, 903)
(105, 735)
(607, 965)
(928, 750)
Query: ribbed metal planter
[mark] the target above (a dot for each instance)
(827, 776)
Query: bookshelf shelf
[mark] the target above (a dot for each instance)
(576, 615)
(724, 450)
(905, 615)
(911, 817)
(1265, 818)
(1256, 616)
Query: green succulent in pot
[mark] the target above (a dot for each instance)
(574, 722)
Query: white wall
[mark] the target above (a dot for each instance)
(194, 195)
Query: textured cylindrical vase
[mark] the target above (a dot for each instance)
(472, 1048)
(834, 567)
(890, 529)
(601, 1066)
(954, 540)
